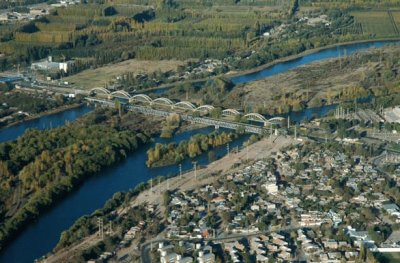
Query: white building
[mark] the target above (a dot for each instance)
(49, 65)
(272, 188)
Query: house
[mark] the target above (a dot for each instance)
(169, 258)
(392, 209)
(206, 258)
(271, 187)
(330, 244)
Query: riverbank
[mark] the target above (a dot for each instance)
(42, 114)
(234, 74)
(306, 53)
(28, 200)
(259, 150)
(173, 153)
(322, 84)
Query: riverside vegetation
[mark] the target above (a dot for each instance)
(373, 74)
(40, 167)
(166, 154)
(105, 31)
(13, 101)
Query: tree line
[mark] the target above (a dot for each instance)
(165, 154)
(40, 166)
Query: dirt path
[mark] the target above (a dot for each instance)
(258, 150)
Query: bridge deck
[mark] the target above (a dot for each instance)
(186, 117)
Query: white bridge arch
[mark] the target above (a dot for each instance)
(165, 101)
(121, 93)
(141, 97)
(205, 108)
(230, 112)
(185, 105)
(255, 117)
(103, 90)
(276, 119)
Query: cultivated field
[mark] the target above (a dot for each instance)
(98, 77)
(396, 18)
(379, 24)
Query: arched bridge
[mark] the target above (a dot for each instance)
(183, 105)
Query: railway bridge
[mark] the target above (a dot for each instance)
(147, 110)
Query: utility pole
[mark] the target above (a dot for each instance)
(167, 183)
(270, 130)
(195, 169)
(295, 132)
(288, 122)
(101, 227)
(110, 228)
(180, 171)
(151, 184)
(247, 151)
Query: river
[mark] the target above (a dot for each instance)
(44, 122)
(323, 54)
(41, 236)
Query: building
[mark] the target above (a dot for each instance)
(392, 114)
(49, 65)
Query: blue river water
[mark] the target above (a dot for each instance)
(45, 122)
(334, 52)
(43, 234)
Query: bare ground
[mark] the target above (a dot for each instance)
(313, 85)
(97, 77)
(258, 150)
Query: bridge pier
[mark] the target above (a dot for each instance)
(216, 127)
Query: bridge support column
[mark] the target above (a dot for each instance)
(217, 127)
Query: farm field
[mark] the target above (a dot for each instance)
(396, 18)
(379, 24)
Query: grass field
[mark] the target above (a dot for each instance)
(97, 77)
(378, 24)
(396, 18)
